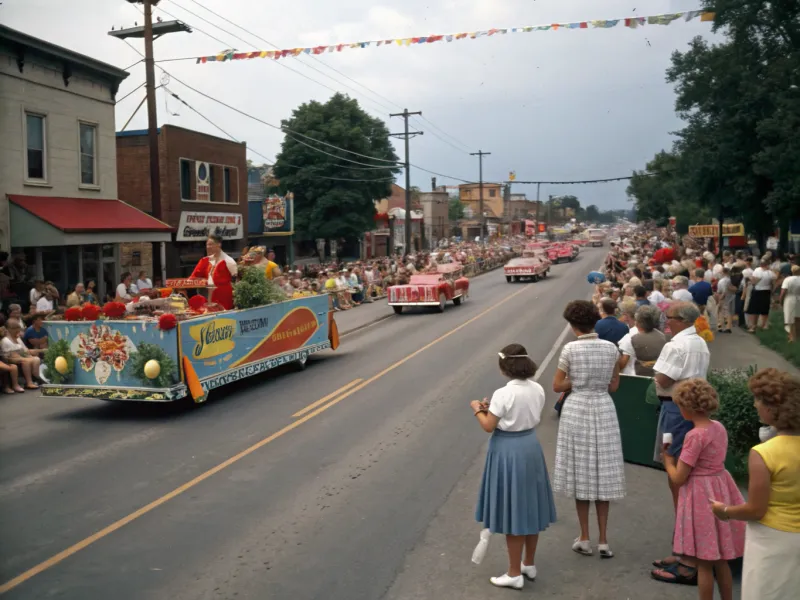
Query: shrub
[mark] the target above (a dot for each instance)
(254, 289)
(738, 414)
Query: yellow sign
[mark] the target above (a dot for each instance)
(712, 231)
(212, 338)
(512, 175)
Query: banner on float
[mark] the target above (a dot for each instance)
(224, 347)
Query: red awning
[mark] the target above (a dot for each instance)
(89, 215)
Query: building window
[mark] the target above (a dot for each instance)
(492, 193)
(36, 158)
(186, 180)
(226, 184)
(88, 146)
(212, 171)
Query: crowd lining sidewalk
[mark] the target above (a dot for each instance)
(640, 528)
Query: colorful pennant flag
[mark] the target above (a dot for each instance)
(629, 22)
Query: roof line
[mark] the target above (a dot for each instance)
(87, 62)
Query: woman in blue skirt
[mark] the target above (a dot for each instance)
(515, 497)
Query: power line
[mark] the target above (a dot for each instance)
(323, 63)
(225, 44)
(608, 180)
(138, 87)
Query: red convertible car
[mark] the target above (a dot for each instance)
(533, 264)
(546, 247)
(431, 289)
(565, 251)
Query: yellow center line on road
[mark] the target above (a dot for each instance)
(314, 405)
(106, 531)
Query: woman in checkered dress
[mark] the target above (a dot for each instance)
(589, 463)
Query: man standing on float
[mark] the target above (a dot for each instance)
(218, 269)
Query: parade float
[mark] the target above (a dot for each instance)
(172, 344)
(431, 289)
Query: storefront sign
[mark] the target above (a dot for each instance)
(530, 228)
(203, 171)
(382, 231)
(277, 214)
(195, 226)
(712, 231)
(186, 284)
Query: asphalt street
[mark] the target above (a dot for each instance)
(255, 495)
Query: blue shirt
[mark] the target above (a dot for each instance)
(32, 334)
(700, 292)
(611, 329)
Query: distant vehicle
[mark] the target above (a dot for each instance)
(564, 252)
(597, 237)
(431, 289)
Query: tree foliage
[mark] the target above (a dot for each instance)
(455, 208)
(334, 196)
(738, 156)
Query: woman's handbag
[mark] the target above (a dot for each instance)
(560, 402)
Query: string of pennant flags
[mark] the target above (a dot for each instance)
(629, 22)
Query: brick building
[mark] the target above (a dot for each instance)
(203, 190)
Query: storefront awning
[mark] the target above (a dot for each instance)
(53, 221)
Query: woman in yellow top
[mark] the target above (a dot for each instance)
(772, 545)
(265, 263)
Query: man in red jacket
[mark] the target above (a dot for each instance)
(218, 269)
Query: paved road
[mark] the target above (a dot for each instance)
(327, 506)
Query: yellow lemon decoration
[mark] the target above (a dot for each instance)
(61, 365)
(152, 369)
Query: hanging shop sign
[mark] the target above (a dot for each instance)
(278, 214)
(712, 231)
(203, 172)
(195, 226)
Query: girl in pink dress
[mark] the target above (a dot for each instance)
(700, 471)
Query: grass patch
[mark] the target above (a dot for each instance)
(775, 338)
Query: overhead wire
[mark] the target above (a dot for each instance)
(334, 69)
(256, 152)
(138, 87)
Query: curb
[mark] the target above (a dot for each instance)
(389, 316)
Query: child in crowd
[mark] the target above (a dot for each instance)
(700, 471)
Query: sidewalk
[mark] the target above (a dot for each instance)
(640, 527)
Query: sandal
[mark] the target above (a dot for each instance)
(32, 386)
(582, 547)
(677, 576)
(8, 390)
(605, 551)
(663, 563)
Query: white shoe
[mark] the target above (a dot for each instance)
(582, 547)
(529, 571)
(515, 583)
(605, 551)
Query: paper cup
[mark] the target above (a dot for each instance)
(667, 438)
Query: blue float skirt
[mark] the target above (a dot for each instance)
(515, 496)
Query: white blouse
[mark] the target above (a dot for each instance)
(518, 405)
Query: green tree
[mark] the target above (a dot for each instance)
(334, 196)
(455, 209)
(592, 214)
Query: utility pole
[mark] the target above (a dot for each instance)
(480, 154)
(407, 135)
(538, 188)
(152, 114)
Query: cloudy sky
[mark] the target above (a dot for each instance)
(550, 105)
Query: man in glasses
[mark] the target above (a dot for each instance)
(684, 357)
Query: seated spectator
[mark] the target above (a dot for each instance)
(16, 353)
(35, 336)
(76, 298)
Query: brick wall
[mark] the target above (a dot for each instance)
(127, 258)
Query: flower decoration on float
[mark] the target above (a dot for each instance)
(59, 362)
(197, 302)
(152, 366)
(165, 292)
(73, 314)
(114, 310)
(167, 321)
(90, 312)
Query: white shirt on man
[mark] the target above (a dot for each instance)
(682, 295)
(656, 297)
(685, 356)
(626, 347)
(765, 279)
(122, 292)
(44, 304)
(518, 405)
(35, 295)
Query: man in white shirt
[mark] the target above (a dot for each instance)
(686, 356)
(46, 303)
(123, 289)
(628, 316)
(680, 289)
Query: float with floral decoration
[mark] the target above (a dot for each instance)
(170, 344)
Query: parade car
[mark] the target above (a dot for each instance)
(533, 264)
(564, 252)
(546, 247)
(431, 289)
